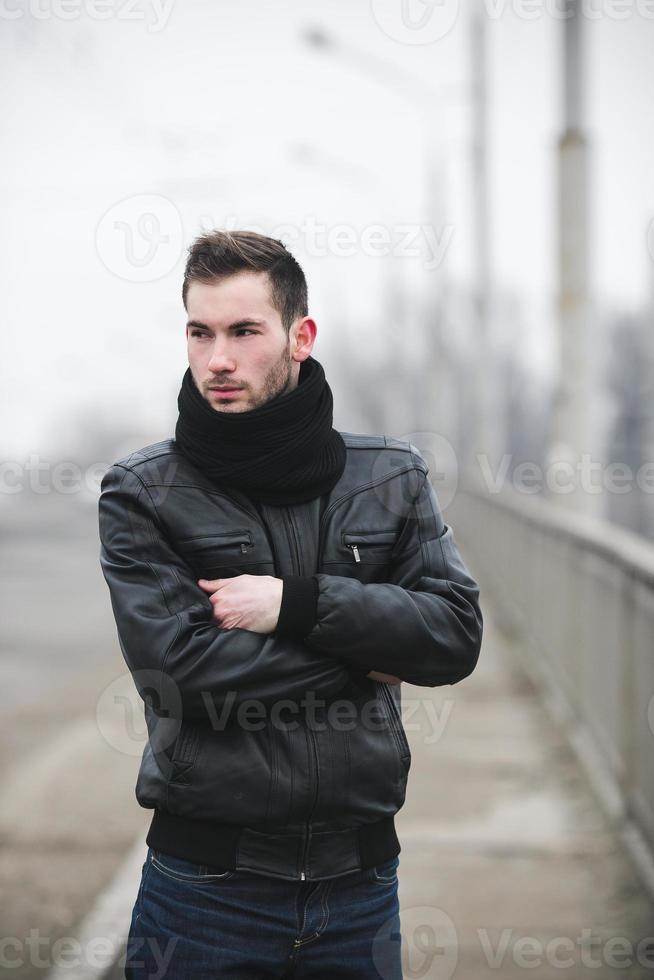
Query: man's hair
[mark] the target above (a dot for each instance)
(218, 254)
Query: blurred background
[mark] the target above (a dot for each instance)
(468, 187)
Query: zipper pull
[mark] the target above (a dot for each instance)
(355, 552)
(302, 876)
(244, 547)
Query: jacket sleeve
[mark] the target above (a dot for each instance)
(425, 625)
(178, 655)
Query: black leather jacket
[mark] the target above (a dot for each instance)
(274, 752)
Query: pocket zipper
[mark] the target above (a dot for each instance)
(355, 551)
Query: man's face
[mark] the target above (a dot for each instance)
(236, 339)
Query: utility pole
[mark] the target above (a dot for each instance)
(484, 433)
(569, 431)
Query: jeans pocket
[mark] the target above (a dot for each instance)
(180, 869)
(385, 873)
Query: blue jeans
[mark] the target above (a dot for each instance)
(195, 922)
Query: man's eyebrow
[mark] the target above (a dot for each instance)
(247, 322)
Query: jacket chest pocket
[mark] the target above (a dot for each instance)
(233, 551)
(369, 547)
(363, 553)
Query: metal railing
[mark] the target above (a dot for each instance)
(579, 594)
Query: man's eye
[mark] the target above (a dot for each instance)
(203, 333)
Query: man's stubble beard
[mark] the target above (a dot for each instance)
(276, 382)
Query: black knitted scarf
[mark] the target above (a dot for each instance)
(282, 452)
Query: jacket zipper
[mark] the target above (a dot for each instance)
(311, 742)
(314, 752)
(355, 551)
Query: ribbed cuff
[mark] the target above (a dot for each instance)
(298, 613)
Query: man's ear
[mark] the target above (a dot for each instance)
(303, 336)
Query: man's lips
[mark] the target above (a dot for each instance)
(225, 392)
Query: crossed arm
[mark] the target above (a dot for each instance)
(253, 602)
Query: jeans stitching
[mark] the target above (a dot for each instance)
(325, 917)
(180, 876)
(301, 942)
(325, 906)
(144, 876)
(378, 879)
(146, 868)
(304, 914)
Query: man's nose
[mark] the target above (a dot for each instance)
(220, 359)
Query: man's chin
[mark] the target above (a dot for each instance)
(231, 405)
(231, 409)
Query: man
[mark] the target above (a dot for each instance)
(273, 581)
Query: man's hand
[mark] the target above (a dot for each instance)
(386, 678)
(247, 602)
